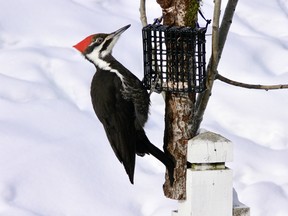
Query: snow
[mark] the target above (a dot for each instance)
(54, 155)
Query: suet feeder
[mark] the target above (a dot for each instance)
(174, 58)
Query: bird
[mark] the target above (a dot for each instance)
(121, 103)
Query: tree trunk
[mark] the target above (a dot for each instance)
(179, 106)
(178, 116)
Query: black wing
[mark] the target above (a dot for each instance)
(117, 116)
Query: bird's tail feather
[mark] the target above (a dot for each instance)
(131, 175)
(164, 158)
(144, 146)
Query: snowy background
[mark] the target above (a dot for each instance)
(55, 159)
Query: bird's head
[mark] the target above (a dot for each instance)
(98, 46)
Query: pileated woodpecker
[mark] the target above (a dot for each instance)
(120, 102)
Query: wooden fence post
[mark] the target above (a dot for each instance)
(209, 188)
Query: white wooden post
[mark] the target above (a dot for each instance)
(209, 182)
(209, 189)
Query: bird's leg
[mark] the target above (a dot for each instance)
(165, 159)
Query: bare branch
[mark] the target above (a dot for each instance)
(226, 23)
(251, 86)
(212, 66)
(203, 98)
(142, 10)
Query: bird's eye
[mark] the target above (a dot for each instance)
(99, 40)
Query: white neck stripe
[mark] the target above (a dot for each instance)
(104, 65)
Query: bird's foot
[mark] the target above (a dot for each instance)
(140, 154)
(170, 167)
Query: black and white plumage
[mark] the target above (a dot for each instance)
(120, 102)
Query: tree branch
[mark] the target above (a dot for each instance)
(142, 10)
(225, 24)
(251, 86)
(203, 98)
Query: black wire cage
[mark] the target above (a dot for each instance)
(174, 58)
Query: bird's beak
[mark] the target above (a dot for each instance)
(119, 31)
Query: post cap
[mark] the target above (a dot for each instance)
(209, 147)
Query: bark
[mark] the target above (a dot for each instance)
(179, 106)
(179, 12)
(178, 115)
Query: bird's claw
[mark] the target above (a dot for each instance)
(170, 169)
